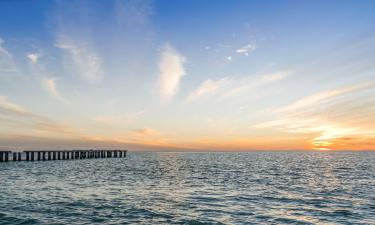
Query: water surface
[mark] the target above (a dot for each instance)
(192, 188)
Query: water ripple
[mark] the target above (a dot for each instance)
(193, 188)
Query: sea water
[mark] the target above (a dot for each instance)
(192, 188)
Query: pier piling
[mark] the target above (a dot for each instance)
(32, 155)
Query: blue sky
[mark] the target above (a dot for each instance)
(189, 75)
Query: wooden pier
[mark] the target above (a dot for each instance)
(38, 155)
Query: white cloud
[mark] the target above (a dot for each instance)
(246, 49)
(208, 87)
(49, 85)
(88, 63)
(33, 57)
(171, 70)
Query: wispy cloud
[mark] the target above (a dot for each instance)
(333, 117)
(133, 13)
(208, 87)
(322, 96)
(228, 87)
(2, 49)
(29, 121)
(112, 121)
(246, 49)
(87, 61)
(248, 83)
(145, 132)
(49, 85)
(171, 71)
(148, 135)
(9, 107)
(7, 64)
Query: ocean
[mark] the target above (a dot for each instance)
(192, 188)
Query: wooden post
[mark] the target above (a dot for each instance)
(1, 156)
(14, 156)
(27, 156)
(32, 156)
(58, 155)
(19, 156)
(43, 156)
(6, 156)
(39, 156)
(49, 155)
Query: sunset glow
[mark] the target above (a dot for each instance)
(165, 75)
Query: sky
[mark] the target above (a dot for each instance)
(195, 75)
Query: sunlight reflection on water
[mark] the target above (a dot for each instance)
(192, 188)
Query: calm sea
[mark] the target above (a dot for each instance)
(193, 188)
